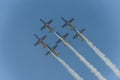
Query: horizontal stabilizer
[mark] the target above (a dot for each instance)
(51, 30)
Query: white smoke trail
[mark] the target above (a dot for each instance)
(91, 67)
(102, 56)
(68, 68)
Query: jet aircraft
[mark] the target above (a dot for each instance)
(52, 49)
(68, 23)
(77, 35)
(47, 25)
(64, 37)
(40, 41)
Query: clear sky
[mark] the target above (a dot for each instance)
(19, 20)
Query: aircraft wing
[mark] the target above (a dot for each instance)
(82, 30)
(58, 41)
(44, 37)
(64, 19)
(64, 25)
(54, 47)
(75, 36)
(43, 21)
(43, 27)
(72, 19)
(47, 53)
(36, 36)
(49, 22)
(36, 43)
(65, 35)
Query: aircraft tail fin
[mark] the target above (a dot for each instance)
(51, 30)
(45, 45)
(56, 54)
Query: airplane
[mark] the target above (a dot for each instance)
(47, 25)
(64, 37)
(77, 35)
(40, 40)
(52, 50)
(68, 23)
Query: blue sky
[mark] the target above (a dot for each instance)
(19, 20)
